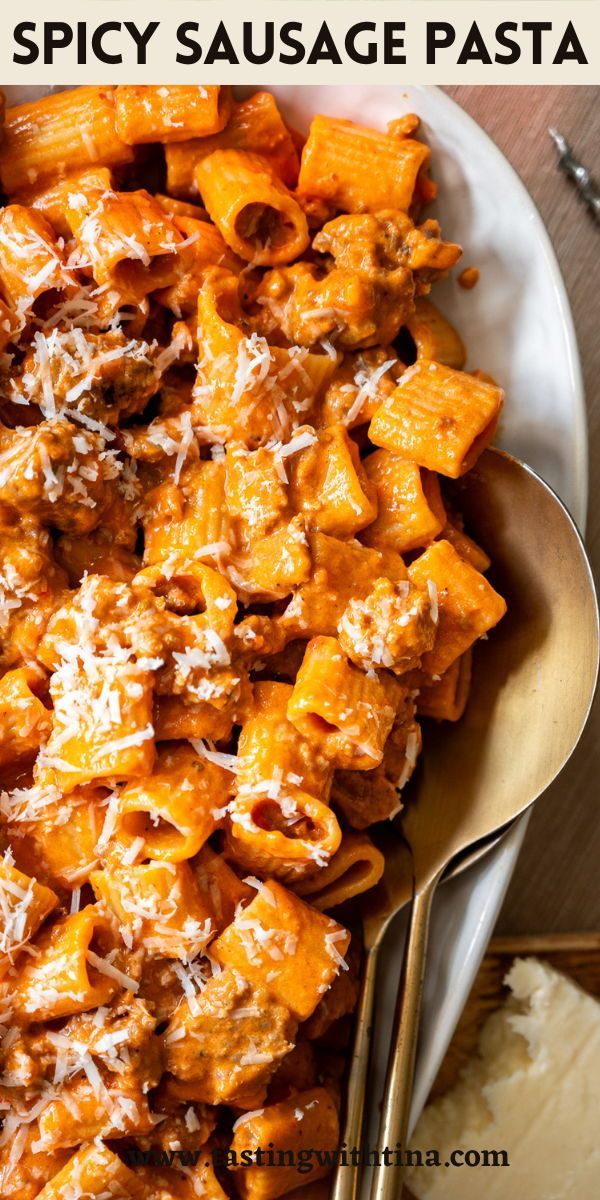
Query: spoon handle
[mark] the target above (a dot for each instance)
(347, 1178)
(395, 1113)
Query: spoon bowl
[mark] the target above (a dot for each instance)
(533, 684)
(533, 688)
(533, 681)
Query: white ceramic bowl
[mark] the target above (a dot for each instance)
(517, 325)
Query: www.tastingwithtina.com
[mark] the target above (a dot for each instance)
(307, 1159)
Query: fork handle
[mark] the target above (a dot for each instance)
(347, 1178)
(395, 1113)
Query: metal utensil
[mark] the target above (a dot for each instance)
(377, 911)
(531, 698)
(378, 908)
(585, 184)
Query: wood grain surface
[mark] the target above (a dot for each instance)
(556, 885)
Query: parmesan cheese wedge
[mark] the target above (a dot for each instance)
(533, 1090)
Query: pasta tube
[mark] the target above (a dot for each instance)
(355, 868)
(306, 1119)
(282, 833)
(94, 1171)
(195, 592)
(24, 721)
(407, 517)
(277, 564)
(348, 713)
(61, 840)
(129, 241)
(94, 737)
(169, 815)
(297, 934)
(358, 169)
(59, 134)
(69, 974)
(256, 125)
(278, 823)
(31, 262)
(434, 337)
(439, 418)
(256, 214)
(24, 906)
(466, 547)
(188, 524)
(273, 752)
(467, 604)
(329, 486)
(80, 1110)
(146, 113)
(51, 200)
(200, 606)
(247, 390)
(160, 904)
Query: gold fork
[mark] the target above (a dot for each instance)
(378, 910)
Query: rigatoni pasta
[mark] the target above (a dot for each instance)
(434, 337)
(255, 125)
(24, 720)
(93, 1168)
(338, 164)
(292, 923)
(408, 502)
(127, 239)
(351, 712)
(439, 418)
(467, 604)
(147, 113)
(170, 815)
(258, 217)
(51, 200)
(232, 581)
(65, 132)
(356, 867)
(25, 905)
(63, 977)
(31, 260)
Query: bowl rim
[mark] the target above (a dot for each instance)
(580, 480)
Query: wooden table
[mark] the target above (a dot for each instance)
(556, 884)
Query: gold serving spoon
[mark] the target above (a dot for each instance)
(532, 692)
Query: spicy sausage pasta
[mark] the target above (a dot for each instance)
(232, 582)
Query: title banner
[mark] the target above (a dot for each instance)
(263, 41)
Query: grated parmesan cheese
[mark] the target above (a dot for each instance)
(107, 968)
